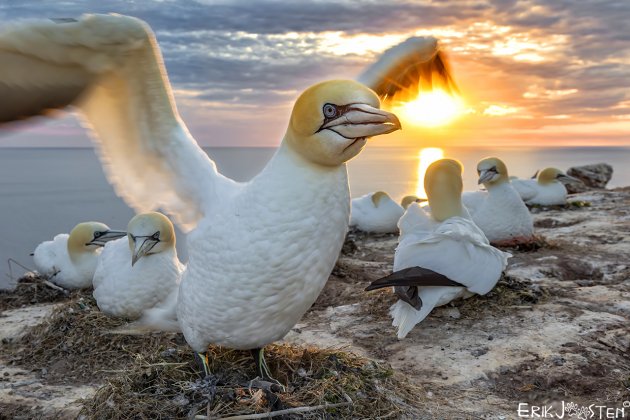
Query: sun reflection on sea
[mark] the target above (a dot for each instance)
(426, 156)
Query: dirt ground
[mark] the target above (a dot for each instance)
(554, 331)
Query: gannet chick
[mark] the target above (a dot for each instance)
(140, 272)
(70, 260)
(499, 212)
(408, 199)
(375, 212)
(260, 252)
(441, 255)
(545, 190)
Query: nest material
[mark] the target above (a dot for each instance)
(75, 345)
(155, 375)
(340, 384)
(32, 289)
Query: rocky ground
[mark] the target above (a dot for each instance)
(556, 328)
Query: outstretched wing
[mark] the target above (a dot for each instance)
(414, 65)
(111, 69)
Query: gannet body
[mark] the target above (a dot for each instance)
(70, 260)
(499, 211)
(375, 212)
(129, 282)
(446, 242)
(545, 190)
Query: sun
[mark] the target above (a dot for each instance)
(431, 109)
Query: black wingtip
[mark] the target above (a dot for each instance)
(413, 276)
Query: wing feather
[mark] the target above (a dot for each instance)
(416, 64)
(111, 69)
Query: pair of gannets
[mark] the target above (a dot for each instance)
(546, 190)
(441, 255)
(260, 252)
(70, 260)
(499, 212)
(376, 212)
(140, 272)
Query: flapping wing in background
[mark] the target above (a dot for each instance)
(412, 66)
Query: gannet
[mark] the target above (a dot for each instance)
(441, 255)
(70, 260)
(499, 212)
(259, 252)
(375, 212)
(139, 272)
(545, 190)
(408, 199)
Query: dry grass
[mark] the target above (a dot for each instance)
(32, 290)
(167, 385)
(506, 295)
(74, 345)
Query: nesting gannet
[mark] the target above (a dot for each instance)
(408, 199)
(70, 260)
(545, 190)
(442, 255)
(139, 272)
(499, 212)
(375, 212)
(260, 251)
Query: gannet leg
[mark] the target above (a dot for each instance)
(262, 370)
(202, 361)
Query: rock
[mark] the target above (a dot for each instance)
(594, 176)
(574, 187)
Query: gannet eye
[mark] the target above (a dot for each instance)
(156, 235)
(97, 234)
(330, 111)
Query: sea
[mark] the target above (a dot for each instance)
(46, 191)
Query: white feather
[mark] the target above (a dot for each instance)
(500, 213)
(381, 218)
(52, 260)
(532, 192)
(125, 291)
(455, 248)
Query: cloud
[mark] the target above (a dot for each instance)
(560, 62)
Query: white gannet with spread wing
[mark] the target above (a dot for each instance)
(376, 212)
(260, 252)
(499, 212)
(140, 272)
(70, 260)
(441, 255)
(545, 190)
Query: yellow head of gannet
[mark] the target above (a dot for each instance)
(378, 196)
(87, 237)
(549, 175)
(331, 121)
(149, 233)
(492, 171)
(443, 185)
(408, 199)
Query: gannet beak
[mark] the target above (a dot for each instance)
(362, 120)
(101, 238)
(569, 178)
(142, 248)
(486, 175)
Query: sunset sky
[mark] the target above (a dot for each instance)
(530, 72)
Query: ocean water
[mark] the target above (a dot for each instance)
(47, 191)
